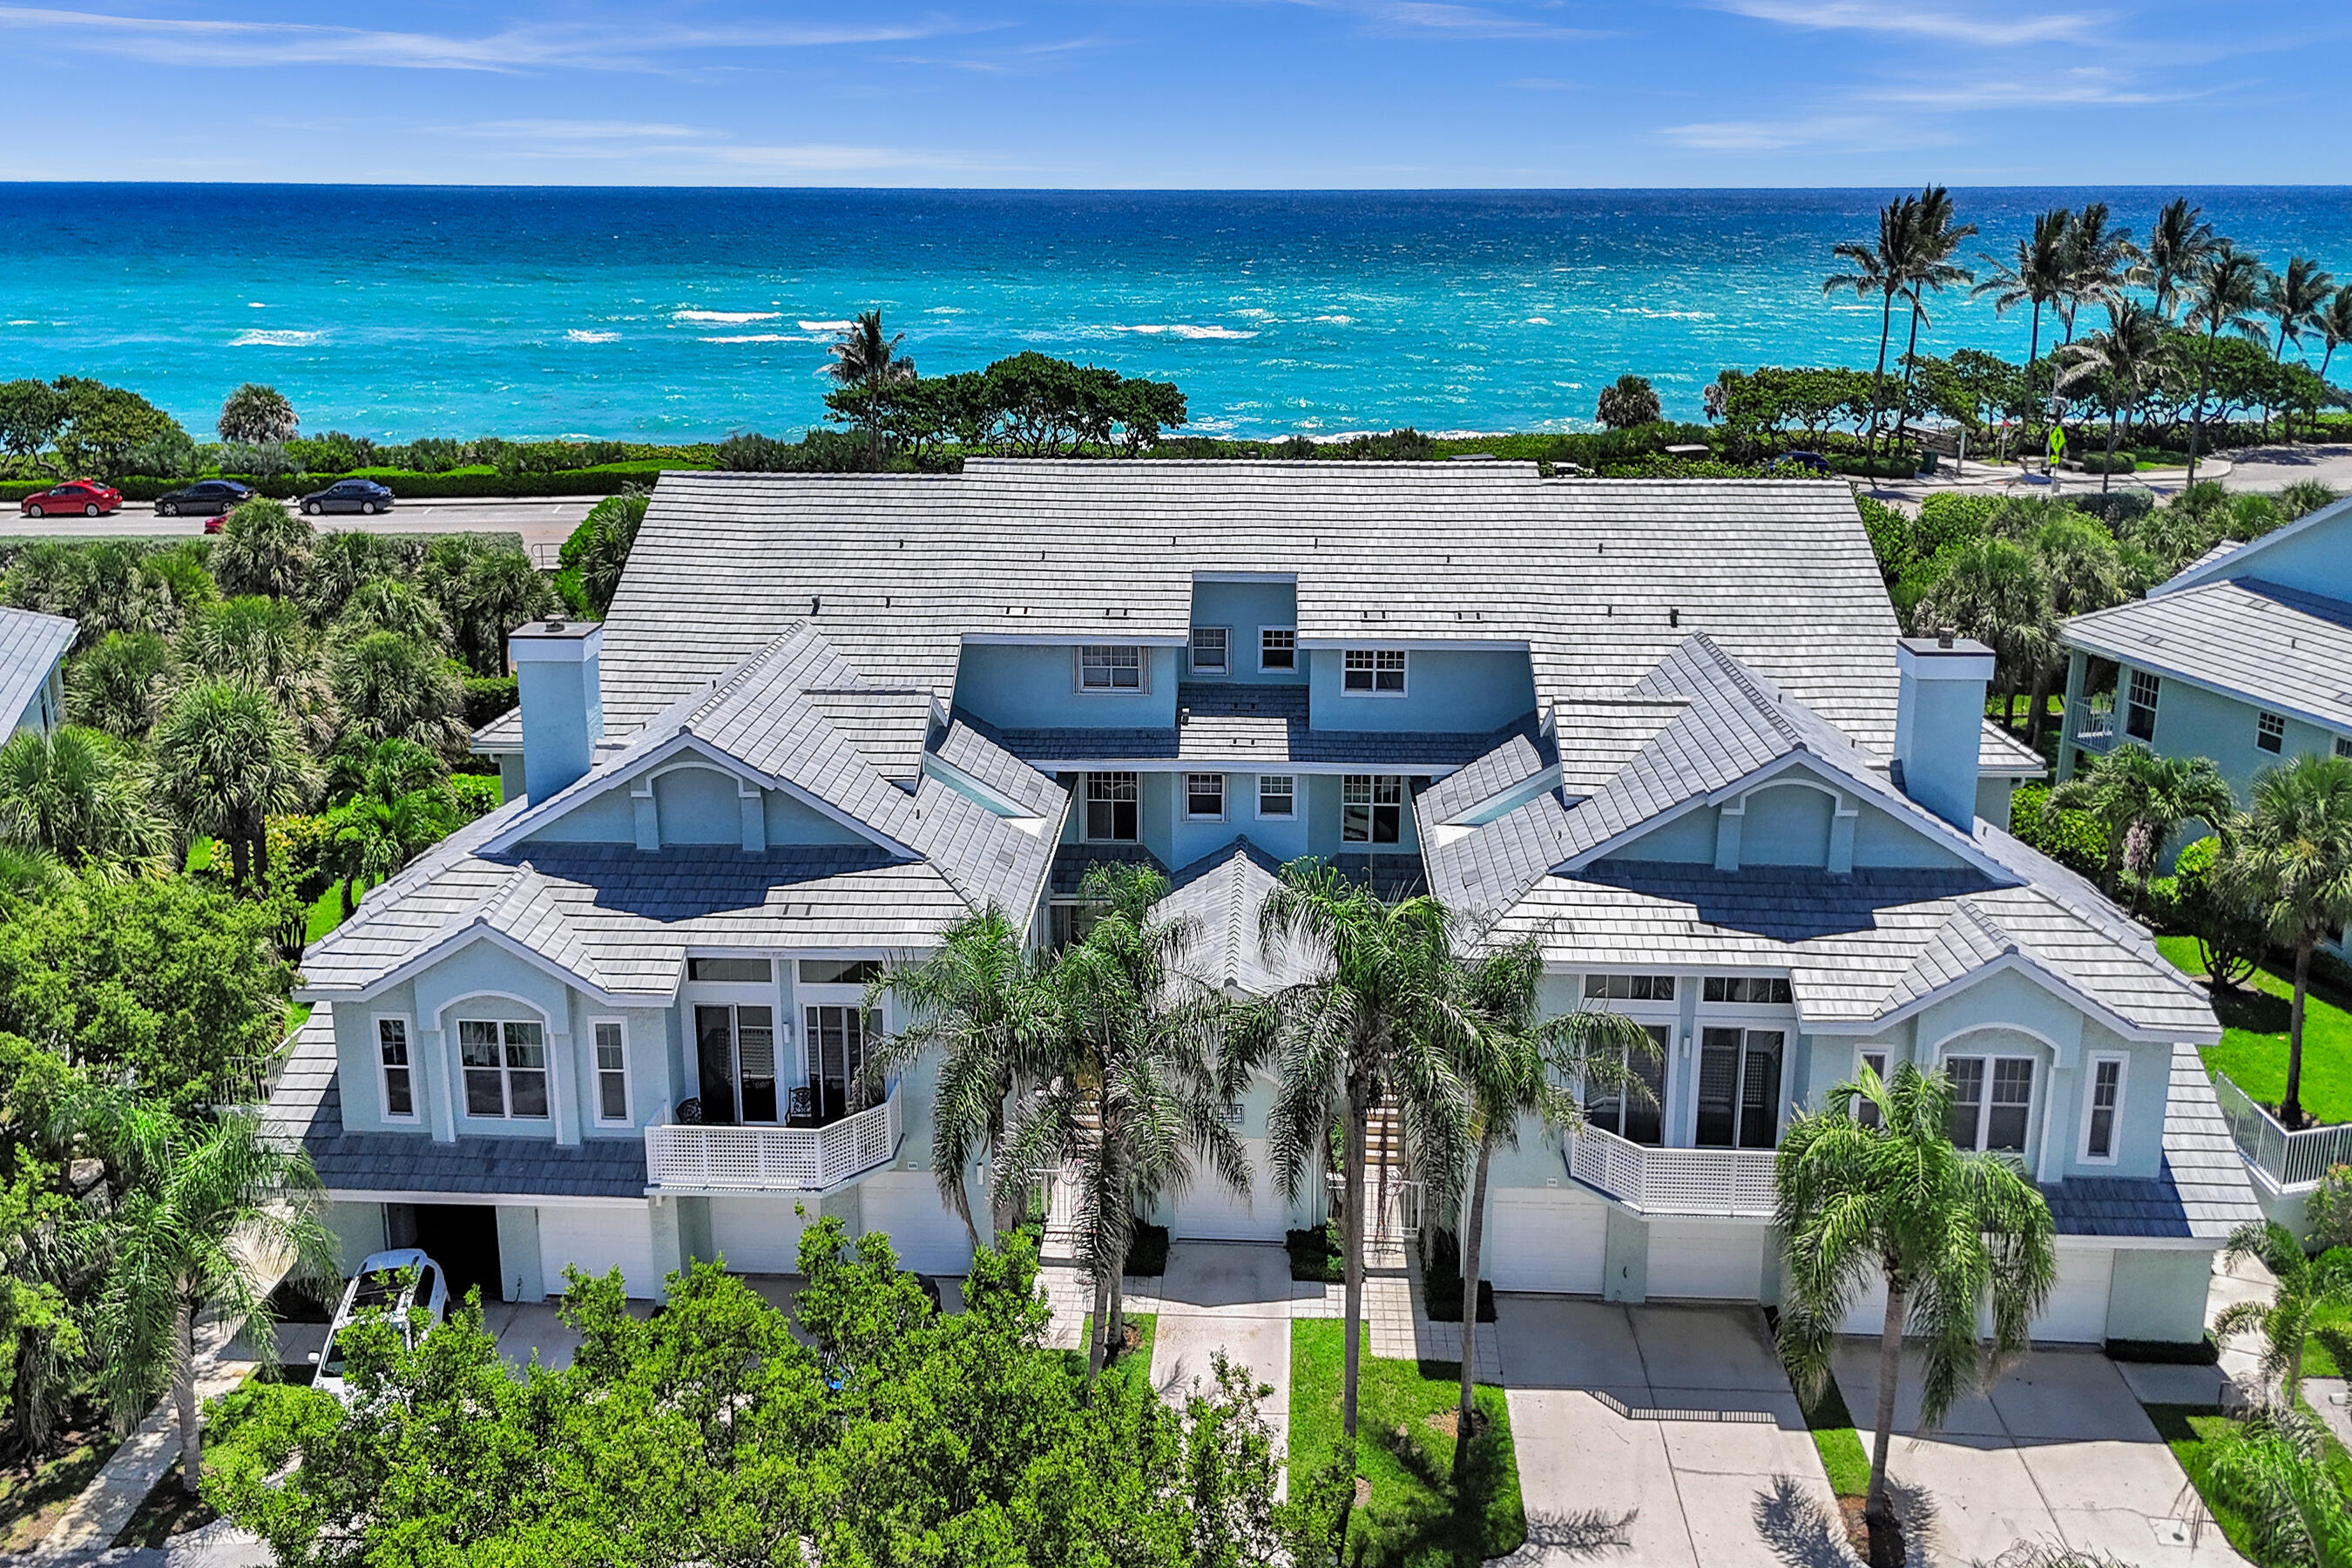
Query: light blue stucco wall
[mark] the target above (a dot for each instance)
(1883, 840)
(2317, 561)
(1468, 691)
(1162, 827)
(1787, 824)
(1245, 609)
(1023, 685)
(605, 817)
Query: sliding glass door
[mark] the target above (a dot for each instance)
(735, 1051)
(836, 1056)
(1739, 1088)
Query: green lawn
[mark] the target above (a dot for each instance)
(1412, 1518)
(2253, 1039)
(33, 1496)
(1843, 1458)
(1132, 1367)
(2186, 1428)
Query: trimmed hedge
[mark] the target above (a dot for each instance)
(405, 485)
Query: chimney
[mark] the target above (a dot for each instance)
(562, 700)
(1938, 722)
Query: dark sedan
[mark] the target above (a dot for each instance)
(86, 498)
(348, 495)
(207, 498)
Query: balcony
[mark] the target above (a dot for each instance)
(2281, 1161)
(771, 1159)
(1725, 1183)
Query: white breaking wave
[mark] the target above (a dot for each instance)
(1181, 330)
(578, 336)
(272, 340)
(728, 318)
(759, 338)
(826, 326)
(1337, 320)
(1538, 322)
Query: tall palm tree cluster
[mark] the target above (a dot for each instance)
(220, 684)
(2168, 300)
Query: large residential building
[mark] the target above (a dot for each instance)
(32, 648)
(1667, 729)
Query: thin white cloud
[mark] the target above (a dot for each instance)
(575, 130)
(1768, 135)
(2087, 87)
(1948, 22)
(1445, 19)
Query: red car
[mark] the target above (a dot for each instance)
(87, 497)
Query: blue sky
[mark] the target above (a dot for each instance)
(1187, 94)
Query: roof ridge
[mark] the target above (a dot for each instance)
(733, 680)
(1748, 687)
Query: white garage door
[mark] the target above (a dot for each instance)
(1211, 1211)
(923, 1231)
(759, 1235)
(1705, 1260)
(1546, 1241)
(599, 1239)
(2076, 1312)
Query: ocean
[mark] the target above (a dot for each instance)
(673, 314)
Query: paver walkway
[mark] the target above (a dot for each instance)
(1660, 1436)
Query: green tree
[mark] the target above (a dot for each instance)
(1933, 237)
(200, 1210)
(254, 414)
(390, 800)
(227, 758)
(2297, 299)
(2121, 361)
(1996, 592)
(1628, 401)
(2178, 245)
(390, 604)
(2036, 275)
(864, 363)
(266, 643)
(501, 591)
(1382, 1018)
(264, 548)
(119, 684)
(343, 561)
(102, 426)
(2291, 858)
(597, 553)
(31, 415)
(80, 795)
(981, 1005)
(392, 686)
(1883, 269)
(2224, 296)
(1887, 1198)
(2276, 1469)
(2138, 801)
(2307, 1285)
(2097, 256)
(2335, 327)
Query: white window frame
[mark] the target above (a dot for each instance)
(1290, 632)
(1225, 665)
(1086, 803)
(1224, 800)
(597, 1069)
(2083, 1155)
(1375, 668)
(1290, 811)
(1865, 1113)
(2270, 733)
(1372, 803)
(2034, 1089)
(383, 1069)
(2132, 703)
(506, 1069)
(1109, 688)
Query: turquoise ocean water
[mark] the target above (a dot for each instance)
(664, 314)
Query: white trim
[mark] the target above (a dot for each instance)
(414, 1067)
(1290, 668)
(2037, 1089)
(1290, 815)
(1085, 825)
(1374, 651)
(1143, 687)
(452, 941)
(490, 1200)
(1193, 667)
(596, 1071)
(1355, 638)
(2083, 1155)
(1224, 797)
(450, 1019)
(2028, 1030)
(2137, 659)
(2009, 963)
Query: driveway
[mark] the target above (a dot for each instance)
(1230, 1295)
(1665, 1436)
(2058, 1450)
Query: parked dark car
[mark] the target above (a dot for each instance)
(1813, 462)
(86, 497)
(348, 495)
(206, 498)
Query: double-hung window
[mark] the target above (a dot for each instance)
(2139, 713)
(2103, 1109)
(1111, 802)
(1277, 796)
(611, 1073)
(399, 1072)
(2343, 745)
(1277, 648)
(2270, 733)
(1379, 671)
(1864, 1110)
(506, 1068)
(1993, 1101)
(1371, 808)
(1204, 797)
(1110, 666)
(1209, 653)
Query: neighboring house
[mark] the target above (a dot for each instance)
(32, 648)
(1666, 728)
(2245, 657)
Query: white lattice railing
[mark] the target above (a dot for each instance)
(2286, 1159)
(772, 1159)
(1674, 1181)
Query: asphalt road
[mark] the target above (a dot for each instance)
(544, 522)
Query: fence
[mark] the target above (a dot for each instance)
(771, 1159)
(2286, 1159)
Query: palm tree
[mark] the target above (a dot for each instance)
(2084, 570)
(263, 549)
(254, 414)
(867, 361)
(225, 761)
(79, 794)
(2335, 326)
(1383, 1017)
(1994, 591)
(1933, 240)
(391, 801)
(2139, 801)
(2275, 1469)
(2224, 296)
(1141, 1085)
(393, 686)
(2097, 260)
(2305, 1286)
(267, 644)
(117, 684)
(1883, 269)
(2291, 857)
(341, 563)
(1514, 1065)
(2123, 361)
(200, 1214)
(604, 539)
(390, 604)
(2178, 245)
(981, 1002)
(1890, 1198)
(2038, 277)
(2297, 299)
(501, 591)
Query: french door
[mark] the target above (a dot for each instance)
(1739, 1088)
(735, 1050)
(1634, 1115)
(836, 1055)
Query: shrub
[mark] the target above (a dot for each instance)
(2327, 1213)
(299, 851)
(170, 454)
(1441, 1283)
(1894, 537)
(2231, 934)
(2115, 508)
(1405, 446)
(1315, 1254)
(487, 697)
(752, 453)
(479, 795)
(1947, 517)
(2098, 462)
(430, 455)
(2069, 837)
(269, 460)
(2305, 497)
(1630, 401)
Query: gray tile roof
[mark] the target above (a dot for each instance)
(1221, 895)
(973, 753)
(1514, 764)
(2202, 1193)
(307, 1109)
(1599, 578)
(1072, 861)
(30, 646)
(888, 728)
(2003, 753)
(1598, 736)
(503, 734)
(2273, 645)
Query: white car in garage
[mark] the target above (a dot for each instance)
(401, 1282)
